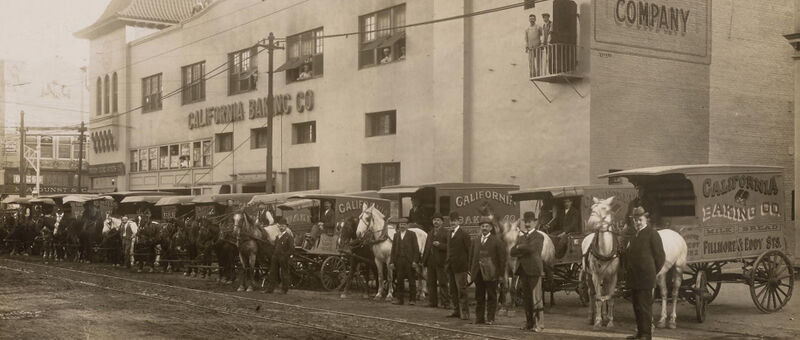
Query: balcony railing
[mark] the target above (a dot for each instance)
(554, 62)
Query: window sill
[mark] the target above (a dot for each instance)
(241, 92)
(304, 143)
(302, 80)
(194, 102)
(386, 135)
(378, 64)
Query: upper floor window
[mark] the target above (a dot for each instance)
(64, 147)
(301, 179)
(99, 96)
(303, 133)
(201, 153)
(151, 93)
(106, 102)
(258, 138)
(381, 123)
(46, 146)
(193, 83)
(382, 39)
(378, 175)
(76, 147)
(303, 56)
(224, 142)
(242, 71)
(114, 93)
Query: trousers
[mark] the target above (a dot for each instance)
(643, 310)
(437, 286)
(406, 272)
(458, 293)
(529, 294)
(485, 298)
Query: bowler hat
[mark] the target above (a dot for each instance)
(485, 220)
(437, 215)
(454, 215)
(529, 216)
(639, 211)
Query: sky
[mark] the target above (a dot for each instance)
(45, 58)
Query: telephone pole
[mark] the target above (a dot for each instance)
(81, 138)
(21, 150)
(271, 46)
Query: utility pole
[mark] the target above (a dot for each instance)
(271, 46)
(80, 153)
(21, 150)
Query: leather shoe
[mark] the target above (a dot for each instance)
(635, 336)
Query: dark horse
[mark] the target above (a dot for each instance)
(91, 232)
(215, 237)
(254, 247)
(185, 240)
(147, 238)
(359, 250)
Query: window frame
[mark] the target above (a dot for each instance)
(370, 124)
(114, 93)
(296, 128)
(193, 84)
(99, 96)
(297, 55)
(155, 103)
(304, 174)
(106, 94)
(381, 168)
(133, 161)
(373, 36)
(235, 72)
(218, 145)
(59, 145)
(255, 138)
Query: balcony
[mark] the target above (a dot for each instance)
(554, 63)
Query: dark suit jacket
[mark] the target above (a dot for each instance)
(645, 258)
(528, 250)
(494, 252)
(571, 221)
(436, 255)
(405, 250)
(458, 248)
(284, 247)
(327, 219)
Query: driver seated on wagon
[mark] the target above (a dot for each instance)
(566, 222)
(326, 223)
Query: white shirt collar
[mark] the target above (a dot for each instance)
(456, 229)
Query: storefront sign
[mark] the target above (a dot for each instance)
(43, 189)
(108, 169)
(257, 108)
(646, 15)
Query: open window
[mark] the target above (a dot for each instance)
(382, 39)
(304, 56)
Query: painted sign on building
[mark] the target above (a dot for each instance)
(256, 108)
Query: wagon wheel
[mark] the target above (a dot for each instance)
(298, 273)
(771, 281)
(332, 273)
(710, 270)
(701, 295)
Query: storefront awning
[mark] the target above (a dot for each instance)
(290, 64)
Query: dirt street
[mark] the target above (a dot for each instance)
(96, 301)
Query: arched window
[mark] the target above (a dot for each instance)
(99, 89)
(106, 103)
(114, 93)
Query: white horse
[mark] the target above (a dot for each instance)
(373, 221)
(510, 234)
(601, 261)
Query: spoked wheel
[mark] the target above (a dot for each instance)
(771, 281)
(333, 272)
(298, 273)
(701, 295)
(710, 270)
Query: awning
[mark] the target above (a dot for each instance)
(389, 42)
(175, 200)
(84, 198)
(290, 64)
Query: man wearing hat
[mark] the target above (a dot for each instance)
(433, 258)
(279, 264)
(457, 263)
(487, 262)
(528, 251)
(645, 258)
(405, 252)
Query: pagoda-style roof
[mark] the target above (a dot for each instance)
(157, 14)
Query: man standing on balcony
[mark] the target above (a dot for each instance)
(547, 36)
(533, 39)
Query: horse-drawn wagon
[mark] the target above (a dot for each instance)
(324, 217)
(727, 215)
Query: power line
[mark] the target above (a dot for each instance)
(43, 106)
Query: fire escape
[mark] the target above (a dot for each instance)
(558, 60)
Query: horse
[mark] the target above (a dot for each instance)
(510, 232)
(372, 221)
(225, 248)
(185, 240)
(360, 253)
(91, 230)
(252, 246)
(600, 251)
(47, 235)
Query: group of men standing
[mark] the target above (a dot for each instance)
(452, 257)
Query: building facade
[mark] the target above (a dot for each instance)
(622, 84)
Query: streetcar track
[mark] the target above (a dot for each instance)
(174, 301)
(284, 304)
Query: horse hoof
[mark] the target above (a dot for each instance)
(249, 289)
(672, 325)
(661, 324)
(343, 296)
(610, 324)
(240, 289)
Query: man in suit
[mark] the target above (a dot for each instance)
(279, 264)
(486, 264)
(129, 231)
(434, 258)
(457, 263)
(645, 258)
(569, 222)
(405, 253)
(528, 252)
(417, 215)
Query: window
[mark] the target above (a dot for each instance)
(134, 160)
(303, 56)
(530, 4)
(99, 87)
(194, 83)
(224, 142)
(381, 123)
(164, 153)
(46, 144)
(378, 175)
(184, 158)
(304, 179)
(143, 160)
(114, 93)
(64, 147)
(106, 93)
(242, 71)
(153, 159)
(76, 148)
(303, 133)
(382, 40)
(151, 93)
(258, 138)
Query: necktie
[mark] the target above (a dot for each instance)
(483, 240)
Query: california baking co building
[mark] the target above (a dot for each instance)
(622, 84)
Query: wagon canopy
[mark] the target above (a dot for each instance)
(175, 200)
(697, 169)
(223, 198)
(411, 189)
(43, 200)
(278, 197)
(142, 199)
